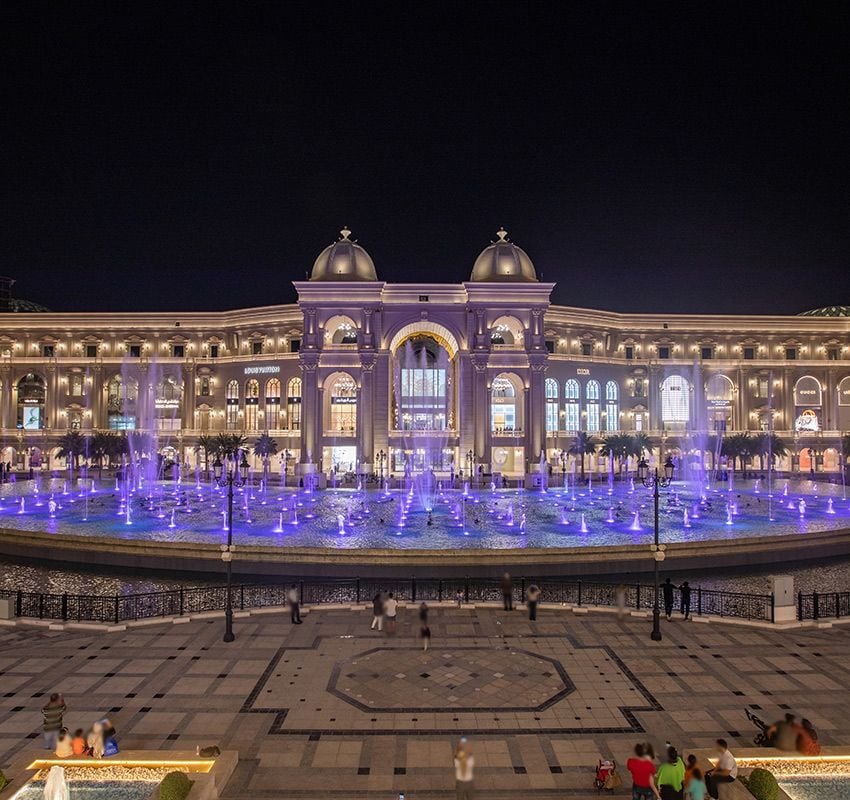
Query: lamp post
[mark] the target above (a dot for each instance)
(286, 456)
(654, 482)
(238, 478)
(382, 457)
(562, 457)
(470, 463)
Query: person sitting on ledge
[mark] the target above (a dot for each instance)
(807, 739)
(64, 748)
(783, 734)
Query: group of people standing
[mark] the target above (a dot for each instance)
(532, 596)
(674, 779)
(99, 742)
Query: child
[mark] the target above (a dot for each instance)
(459, 597)
(425, 633)
(78, 743)
(697, 790)
(63, 745)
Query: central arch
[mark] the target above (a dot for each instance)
(440, 332)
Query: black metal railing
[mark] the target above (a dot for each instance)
(823, 605)
(115, 609)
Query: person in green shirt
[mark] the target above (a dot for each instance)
(670, 777)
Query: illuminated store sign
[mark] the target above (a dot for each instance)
(265, 369)
(807, 422)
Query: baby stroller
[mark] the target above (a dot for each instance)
(760, 739)
(606, 775)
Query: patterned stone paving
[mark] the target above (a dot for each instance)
(333, 709)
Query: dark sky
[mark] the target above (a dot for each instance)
(648, 156)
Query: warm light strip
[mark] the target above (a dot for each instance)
(743, 762)
(192, 766)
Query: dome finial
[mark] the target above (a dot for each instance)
(502, 234)
(345, 233)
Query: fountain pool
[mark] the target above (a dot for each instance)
(450, 519)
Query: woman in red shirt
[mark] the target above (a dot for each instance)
(643, 774)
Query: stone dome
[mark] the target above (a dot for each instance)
(503, 261)
(344, 260)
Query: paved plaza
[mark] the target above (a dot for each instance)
(331, 708)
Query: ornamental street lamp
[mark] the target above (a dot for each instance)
(653, 482)
(562, 457)
(286, 456)
(470, 463)
(382, 457)
(238, 478)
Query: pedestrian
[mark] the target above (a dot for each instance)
(294, 610)
(685, 597)
(53, 713)
(696, 790)
(667, 588)
(643, 774)
(726, 770)
(507, 592)
(423, 613)
(425, 633)
(378, 612)
(459, 597)
(390, 610)
(670, 778)
(620, 600)
(464, 765)
(532, 597)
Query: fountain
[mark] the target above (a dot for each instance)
(23, 506)
(510, 515)
(565, 520)
(522, 522)
(127, 520)
(729, 515)
(172, 524)
(583, 528)
(801, 508)
(636, 526)
(829, 508)
(686, 523)
(340, 524)
(610, 517)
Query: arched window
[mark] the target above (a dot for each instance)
(507, 332)
(591, 396)
(252, 405)
(844, 393)
(340, 330)
(31, 395)
(551, 405)
(343, 405)
(167, 404)
(571, 395)
(504, 416)
(231, 406)
(293, 403)
(612, 406)
(121, 399)
(808, 392)
(422, 390)
(272, 404)
(675, 399)
(719, 392)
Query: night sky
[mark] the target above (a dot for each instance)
(648, 156)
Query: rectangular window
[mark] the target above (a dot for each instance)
(586, 348)
(205, 386)
(762, 389)
(135, 351)
(423, 298)
(790, 353)
(833, 354)
(550, 346)
(664, 351)
(256, 348)
(213, 351)
(48, 350)
(630, 352)
(76, 385)
(749, 353)
(593, 418)
(294, 345)
(91, 351)
(571, 422)
(178, 350)
(706, 353)
(638, 422)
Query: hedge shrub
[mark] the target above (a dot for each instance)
(174, 786)
(761, 784)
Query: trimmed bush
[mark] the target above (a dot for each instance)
(3, 780)
(174, 786)
(761, 784)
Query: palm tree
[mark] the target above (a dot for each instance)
(209, 446)
(229, 444)
(758, 444)
(583, 445)
(775, 447)
(736, 446)
(71, 446)
(265, 447)
(100, 444)
(619, 446)
(641, 443)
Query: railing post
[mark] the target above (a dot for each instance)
(440, 591)
(181, 601)
(837, 606)
(301, 593)
(522, 590)
(637, 595)
(357, 589)
(242, 596)
(799, 606)
(115, 615)
(699, 601)
(579, 592)
(466, 590)
(772, 607)
(815, 606)
(64, 606)
(19, 603)
(40, 605)
(413, 589)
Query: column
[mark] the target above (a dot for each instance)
(187, 420)
(309, 408)
(537, 407)
(480, 412)
(5, 397)
(366, 412)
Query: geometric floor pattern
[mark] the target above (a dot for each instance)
(331, 708)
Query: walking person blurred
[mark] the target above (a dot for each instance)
(294, 610)
(667, 588)
(685, 598)
(507, 585)
(378, 612)
(53, 713)
(532, 597)
(390, 611)
(464, 764)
